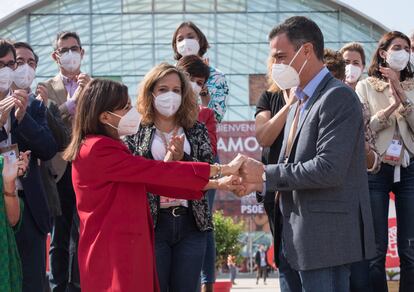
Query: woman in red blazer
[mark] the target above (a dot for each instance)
(116, 246)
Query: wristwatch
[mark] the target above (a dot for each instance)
(406, 103)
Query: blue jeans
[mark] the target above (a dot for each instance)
(208, 272)
(179, 251)
(380, 185)
(331, 279)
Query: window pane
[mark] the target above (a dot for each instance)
(137, 30)
(130, 6)
(15, 31)
(74, 6)
(107, 29)
(199, 6)
(231, 5)
(108, 6)
(231, 28)
(168, 5)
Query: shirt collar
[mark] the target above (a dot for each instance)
(310, 88)
(66, 80)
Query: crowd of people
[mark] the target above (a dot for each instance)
(127, 190)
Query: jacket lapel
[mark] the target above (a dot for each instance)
(309, 105)
(59, 87)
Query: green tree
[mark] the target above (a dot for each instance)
(227, 233)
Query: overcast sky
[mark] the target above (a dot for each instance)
(396, 14)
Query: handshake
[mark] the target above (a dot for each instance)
(241, 176)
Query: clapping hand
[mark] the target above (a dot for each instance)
(175, 149)
(13, 169)
(21, 99)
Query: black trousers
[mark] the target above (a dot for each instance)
(64, 270)
(31, 243)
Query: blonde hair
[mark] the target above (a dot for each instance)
(187, 114)
(272, 85)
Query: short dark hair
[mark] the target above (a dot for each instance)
(194, 66)
(24, 45)
(204, 45)
(383, 44)
(6, 47)
(335, 63)
(300, 30)
(63, 35)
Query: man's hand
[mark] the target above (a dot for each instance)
(83, 79)
(6, 106)
(21, 99)
(252, 171)
(42, 94)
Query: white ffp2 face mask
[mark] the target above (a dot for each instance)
(24, 76)
(352, 73)
(188, 47)
(285, 76)
(6, 78)
(398, 60)
(128, 123)
(70, 61)
(167, 103)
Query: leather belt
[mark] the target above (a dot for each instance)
(175, 211)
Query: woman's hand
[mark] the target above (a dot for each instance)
(291, 97)
(175, 148)
(230, 183)
(233, 166)
(23, 162)
(390, 74)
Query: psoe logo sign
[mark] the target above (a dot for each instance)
(252, 209)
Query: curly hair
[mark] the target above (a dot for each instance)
(187, 113)
(335, 63)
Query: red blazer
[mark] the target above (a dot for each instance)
(207, 117)
(116, 245)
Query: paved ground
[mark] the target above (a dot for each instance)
(248, 283)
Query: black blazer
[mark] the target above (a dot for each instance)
(33, 134)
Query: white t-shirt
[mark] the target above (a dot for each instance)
(158, 152)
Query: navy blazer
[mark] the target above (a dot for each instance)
(33, 134)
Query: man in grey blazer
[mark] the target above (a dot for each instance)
(325, 220)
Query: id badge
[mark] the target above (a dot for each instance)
(11, 151)
(394, 151)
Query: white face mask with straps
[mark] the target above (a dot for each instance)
(167, 103)
(24, 76)
(6, 78)
(128, 123)
(398, 60)
(188, 47)
(352, 73)
(70, 61)
(285, 76)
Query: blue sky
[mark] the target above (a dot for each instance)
(395, 14)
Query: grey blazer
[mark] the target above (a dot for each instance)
(324, 202)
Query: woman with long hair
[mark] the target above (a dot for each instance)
(116, 245)
(169, 128)
(388, 94)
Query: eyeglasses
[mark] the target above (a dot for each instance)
(10, 64)
(61, 51)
